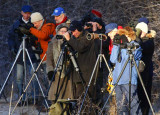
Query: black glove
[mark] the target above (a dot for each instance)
(124, 41)
(50, 75)
(39, 49)
(24, 30)
(27, 26)
(116, 39)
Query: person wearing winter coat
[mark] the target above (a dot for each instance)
(86, 59)
(53, 53)
(61, 86)
(42, 31)
(146, 41)
(14, 42)
(119, 56)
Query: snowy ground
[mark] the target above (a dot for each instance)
(30, 110)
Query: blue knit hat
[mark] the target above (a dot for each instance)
(110, 27)
(26, 8)
(58, 11)
(143, 19)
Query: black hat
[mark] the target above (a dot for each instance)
(76, 25)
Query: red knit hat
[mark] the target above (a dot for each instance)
(97, 13)
(120, 27)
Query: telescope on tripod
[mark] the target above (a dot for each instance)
(96, 36)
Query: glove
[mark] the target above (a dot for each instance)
(24, 30)
(27, 26)
(116, 39)
(50, 75)
(124, 41)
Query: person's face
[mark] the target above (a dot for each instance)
(143, 34)
(112, 34)
(37, 24)
(26, 15)
(59, 18)
(76, 33)
(62, 31)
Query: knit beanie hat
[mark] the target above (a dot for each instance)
(142, 26)
(143, 19)
(27, 8)
(36, 16)
(97, 13)
(76, 25)
(63, 25)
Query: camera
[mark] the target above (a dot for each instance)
(132, 45)
(62, 37)
(96, 36)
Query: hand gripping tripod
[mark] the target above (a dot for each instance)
(131, 59)
(98, 62)
(25, 51)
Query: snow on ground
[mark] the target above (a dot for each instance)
(30, 110)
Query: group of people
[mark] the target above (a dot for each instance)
(68, 58)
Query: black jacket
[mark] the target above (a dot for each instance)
(15, 40)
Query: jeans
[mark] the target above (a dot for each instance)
(122, 100)
(20, 79)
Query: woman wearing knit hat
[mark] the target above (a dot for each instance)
(65, 87)
(119, 56)
(146, 41)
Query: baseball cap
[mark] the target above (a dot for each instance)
(58, 11)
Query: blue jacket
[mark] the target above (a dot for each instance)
(119, 65)
(15, 40)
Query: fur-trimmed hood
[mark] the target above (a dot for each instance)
(128, 32)
(151, 34)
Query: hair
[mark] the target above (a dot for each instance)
(131, 33)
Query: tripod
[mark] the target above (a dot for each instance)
(99, 60)
(25, 51)
(59, 67)
(130, 59)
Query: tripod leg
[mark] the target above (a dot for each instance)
(19, 51)
(28, 84)
(55, 71)
(140, 78)
(119, 77)
(37, 78)
(88, 85)
(110, 72)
